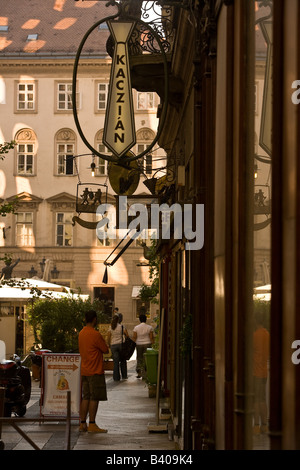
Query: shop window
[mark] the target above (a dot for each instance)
(107, 296)
(142, 308)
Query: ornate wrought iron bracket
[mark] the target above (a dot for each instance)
(125, 13)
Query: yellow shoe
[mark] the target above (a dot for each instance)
(94, 428)
(83, 427)
(256, 430)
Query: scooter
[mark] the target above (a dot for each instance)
(36, 357)
(16, 380)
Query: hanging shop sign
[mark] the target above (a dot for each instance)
(265, 138)
(60, 374)
(119, 129)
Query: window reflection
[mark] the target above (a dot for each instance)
(262, 219)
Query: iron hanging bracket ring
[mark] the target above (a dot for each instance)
(166, 92)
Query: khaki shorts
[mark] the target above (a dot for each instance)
(94, 388)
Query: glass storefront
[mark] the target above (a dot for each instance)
(262, 220)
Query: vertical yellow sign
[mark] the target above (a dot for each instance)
(119, 128)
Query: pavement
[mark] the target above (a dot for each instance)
(129, 415)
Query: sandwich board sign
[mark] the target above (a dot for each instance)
(60, 374)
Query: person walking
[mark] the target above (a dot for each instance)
(115, 338)
(261, 355)
(143, 336)
(91, 348)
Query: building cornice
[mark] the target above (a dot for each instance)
(56, 62)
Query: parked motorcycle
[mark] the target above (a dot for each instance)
(16, 379)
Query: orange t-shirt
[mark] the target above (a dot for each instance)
(91, 349)
(261, 352)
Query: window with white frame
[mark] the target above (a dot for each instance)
(104, 232)
(25, 152)
(147, 159)
(65, 160)
(101, 241)
(145, 100)
(64, 229)
(148, 164)
(101, 167)
(64, 96)
(26, 96)
(102, 93)
(25, 159)
(141, 148)
(65, 140)
(24, 229)
(101, 163)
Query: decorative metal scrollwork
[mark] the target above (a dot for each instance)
(160, 19)
(89, 196)
(265, 4)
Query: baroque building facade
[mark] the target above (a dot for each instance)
(231, 135)
(45, 171)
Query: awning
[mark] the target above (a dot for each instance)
(8, 294)
(22, 292)
(263, 292)
(135, 292)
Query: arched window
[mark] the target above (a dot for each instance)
(101, 164)
(26, 152)
(144, 137)
(65, 149)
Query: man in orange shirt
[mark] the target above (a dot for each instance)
(261, 353)
(91, 349)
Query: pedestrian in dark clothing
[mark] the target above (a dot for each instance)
(115, 338)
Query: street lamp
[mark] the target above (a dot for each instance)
(54, 273)
(32, 272)
(42, 265)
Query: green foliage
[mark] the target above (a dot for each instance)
(5, 147)
(150, 293)
(155, 345)
(57, 322)
(7, 207)
(262, 313)
(22, 283)
(7, 258)
(186, 336)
